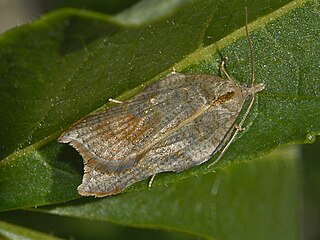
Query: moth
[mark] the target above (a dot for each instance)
(175, 124)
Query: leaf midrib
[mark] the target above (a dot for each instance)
(196, 56)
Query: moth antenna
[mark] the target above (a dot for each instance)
(251, 101)
(250, 47)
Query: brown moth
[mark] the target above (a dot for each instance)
(175, 124)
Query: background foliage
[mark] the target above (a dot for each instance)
(70, 61)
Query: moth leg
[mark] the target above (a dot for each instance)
(240, 128)
(115, 101)
(223, 69)
(173, 71)
(151, 180)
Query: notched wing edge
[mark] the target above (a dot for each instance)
(88, 161)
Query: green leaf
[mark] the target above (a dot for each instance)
(108, 7)
(10, 231)
(70, 62)
(220, 205)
